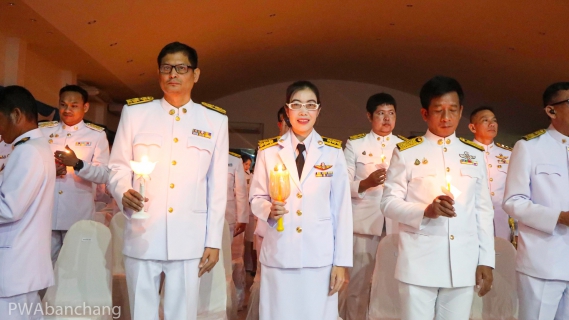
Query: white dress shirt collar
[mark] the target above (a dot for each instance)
(558, 136)
(440, 140)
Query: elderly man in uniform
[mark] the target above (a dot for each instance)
(26, 202)
(367, 157)
(484, 126)
(536, 195)
(185, 193)
(81, 153)
(446, 234)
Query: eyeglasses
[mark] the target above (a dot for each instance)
(180, 68)
(559, 102)
(297, 106)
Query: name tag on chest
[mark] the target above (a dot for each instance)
(324, 174)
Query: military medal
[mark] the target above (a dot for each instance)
(323, 166)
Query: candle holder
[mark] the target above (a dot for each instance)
(279, 188)
(142, 169)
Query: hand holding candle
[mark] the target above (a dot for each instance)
(142, 170)
(279, 188)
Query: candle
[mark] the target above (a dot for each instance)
(279, 188)
(382, 158)
(448, 177)
(142, 170)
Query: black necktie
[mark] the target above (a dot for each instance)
(300, 159)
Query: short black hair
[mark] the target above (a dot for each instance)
(301, 85)
(16, 97)
(437, 87)
(75, 88)
(246, 157)
(551, 92)
(479, 109)
(176, 47)
(280, 113)
(379, 99)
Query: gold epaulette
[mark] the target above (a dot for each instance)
(133, 101)
(401, 137)
(409, 143)
(266, 143)
(534, 135)
(499, 145)
(357, 136)
(214, 108)
(332, 142)
(236, 155)
(472, 144)
(48, 124)
(94, 127)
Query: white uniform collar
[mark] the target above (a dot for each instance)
(76, 127)
(452, 139)
(486, 147)
(171, 110)
(382, 139)
(558, 136)
(306, 142)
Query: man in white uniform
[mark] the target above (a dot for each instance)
(367, 157)
(446, 238)
(185, 193)
(82, 154)
(536, 195)
(26, 202)
(484, 125)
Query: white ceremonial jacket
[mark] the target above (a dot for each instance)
(75, 192)
(318, 227)
(536, 193)
(442, 252)
(26, 202)
(364, 154)
(5, 150)
(497, 157)
(186, 190)
(237, 197)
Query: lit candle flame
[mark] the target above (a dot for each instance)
(449, 178)
(382, 158)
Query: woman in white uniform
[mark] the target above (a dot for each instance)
(304, 266)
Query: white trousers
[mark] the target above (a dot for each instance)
(21, 307)
(57, 237)
(359, 286)
(542, 299)
(428, 303)
(302, 293)
(181, 288)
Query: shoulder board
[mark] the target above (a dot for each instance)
(236, 155)
(472, 144)
(48, 124)
(534, 135)
(499, 145)
(357, 136)
(24, 140)
(266, 143)
(332, 142)
(133, 101)
(409, 143)
(94, 127)
(401, 137)
(214, 108)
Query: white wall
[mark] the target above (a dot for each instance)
(343, 109)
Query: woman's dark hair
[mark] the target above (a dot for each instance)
(301, 85)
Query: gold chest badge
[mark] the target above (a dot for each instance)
(323, 166)
(503, 159)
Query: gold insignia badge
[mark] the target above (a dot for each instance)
(323, 166)
(417, 162)
(364, 153)
(468, 159)
(503, 159)
(425, 161)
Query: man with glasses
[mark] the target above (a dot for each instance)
(367, 157)
(536, 195)
(185, 194)
(484, 125)
(81, 153)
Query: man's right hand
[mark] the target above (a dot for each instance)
(373, 180)
(133, 200)
(563, 218)
(442, 206)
